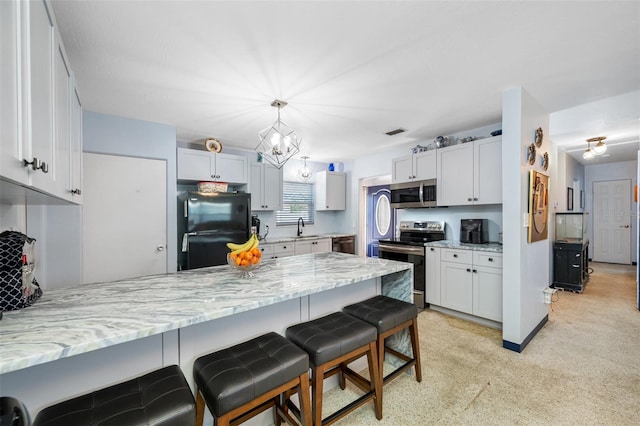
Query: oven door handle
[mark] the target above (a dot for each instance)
(404, 250)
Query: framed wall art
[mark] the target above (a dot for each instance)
(538, 206)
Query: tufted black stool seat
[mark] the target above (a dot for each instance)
(241, 381)
(161, 397)
(390, 316)
(331, 341)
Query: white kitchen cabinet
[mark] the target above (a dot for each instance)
(487, 285)
(470, 173)
(471, 282)
(62, 95)
(38, 130)
(322, 245)
(418, 166)
(11, 144)
(206, 166)
(265, 186)
(76, 148)
(432, 275)
(331, 188)
(276, 250)
(42, 141)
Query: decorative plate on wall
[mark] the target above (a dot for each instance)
(545, 161)
(539, 135)
(213, 145)
(531, 154)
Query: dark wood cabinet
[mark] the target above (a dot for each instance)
(570, 265)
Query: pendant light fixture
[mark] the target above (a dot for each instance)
(278, 142)
(599, 149)
(304, 173)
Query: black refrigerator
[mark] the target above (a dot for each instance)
(206, 223)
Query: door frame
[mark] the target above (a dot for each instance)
(593, 218)
(363, 184)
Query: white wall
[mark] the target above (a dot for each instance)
(607, 172)
(525, 265)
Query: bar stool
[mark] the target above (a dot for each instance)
(390, 316)
(330, 341)
(13, 412)
(161, 397)
(244, 380)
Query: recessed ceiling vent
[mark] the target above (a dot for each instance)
(395, 132)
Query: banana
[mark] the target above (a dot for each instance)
(248, 245)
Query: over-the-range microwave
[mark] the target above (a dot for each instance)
(413, 194)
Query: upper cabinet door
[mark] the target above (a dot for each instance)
(62, 91)
(272, 187)
(11, 143)
(487, 167)
(424, 165)
(194, 165)
(455, 175)
(41, 138)
(230, 168)
(76, 147)
(402, 169)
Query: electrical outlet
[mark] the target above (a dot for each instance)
(525, 220)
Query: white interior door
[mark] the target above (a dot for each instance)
(612, 221)
(124, 217)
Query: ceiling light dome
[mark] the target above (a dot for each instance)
(600, 147)
(588, 154)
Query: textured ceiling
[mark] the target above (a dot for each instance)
(351, 71)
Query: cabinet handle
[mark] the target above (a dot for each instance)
(475, 271)
(468, 270)
(491, 259)
(36, 164)
(469, 199)
(76, 191)
(432, 249)
(455, 255)
(475, 199)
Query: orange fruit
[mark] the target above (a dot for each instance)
(255, 260)
(245, 262)
(233, 256)
(238, 261)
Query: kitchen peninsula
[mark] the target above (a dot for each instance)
(85, 337)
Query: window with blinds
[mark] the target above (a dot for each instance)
(297, 201)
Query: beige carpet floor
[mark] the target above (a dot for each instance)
(582, 368)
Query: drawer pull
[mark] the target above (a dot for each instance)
(455, 255)
(491, 259)
(475, 271)
(468, 270)
(432, 249)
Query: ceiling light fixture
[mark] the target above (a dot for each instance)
(599, 149)
(304, 173)
(278, 142)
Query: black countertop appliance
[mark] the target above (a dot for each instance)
(474, 231)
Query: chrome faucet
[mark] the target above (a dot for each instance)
(300, 229)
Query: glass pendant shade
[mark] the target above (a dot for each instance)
(600, 148)
(588, 154)
(278, 142)
(304, 173)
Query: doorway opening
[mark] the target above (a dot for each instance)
(377, 220)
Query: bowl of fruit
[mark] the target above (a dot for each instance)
(245, 257)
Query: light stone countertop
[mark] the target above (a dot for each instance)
(79, 319)
(491, 247)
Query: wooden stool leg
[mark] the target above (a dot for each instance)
(199, 408)
(376, 380)
(305, 400)
(341, 379)
(415, 344)
(317, 379)
(381, 353)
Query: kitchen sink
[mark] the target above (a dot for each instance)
(301, 237)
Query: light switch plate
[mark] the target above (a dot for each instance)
(525, 220)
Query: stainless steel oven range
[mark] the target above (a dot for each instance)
(409, 247)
